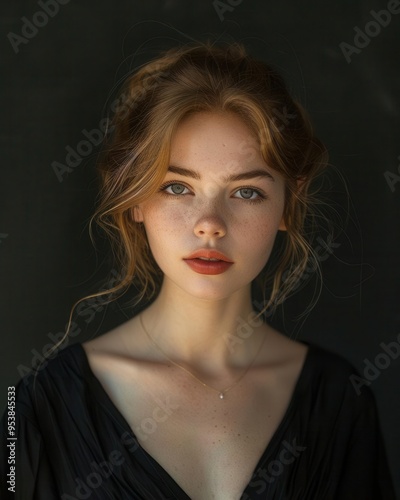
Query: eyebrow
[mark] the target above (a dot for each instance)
(230, 178)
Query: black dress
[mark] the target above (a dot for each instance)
(73, 443)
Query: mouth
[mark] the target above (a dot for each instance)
(203, 265)
(208, 255)
(207, 261)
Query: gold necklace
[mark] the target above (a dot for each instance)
(221, 394)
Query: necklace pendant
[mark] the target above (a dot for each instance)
(221, 395)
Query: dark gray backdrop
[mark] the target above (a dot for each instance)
(58, 72)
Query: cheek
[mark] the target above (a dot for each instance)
(259, 230)
(169, 217)
(164, 227)
(255, 240)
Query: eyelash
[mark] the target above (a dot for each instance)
(261, 196)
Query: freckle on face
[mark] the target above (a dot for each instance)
(208, 143)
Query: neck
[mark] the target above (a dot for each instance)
(211, 335)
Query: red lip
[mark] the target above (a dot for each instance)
(208, 267)
(208, 254)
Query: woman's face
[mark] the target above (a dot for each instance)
(202, 204)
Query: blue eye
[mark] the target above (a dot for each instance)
(175, 187)
(247, 193)
(250, 194)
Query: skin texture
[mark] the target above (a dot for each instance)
(199, 311)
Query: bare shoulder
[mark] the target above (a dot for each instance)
(122, 363)
(114, 343)
(279, 348)
(117, 354)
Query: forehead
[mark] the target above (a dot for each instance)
(214, 139)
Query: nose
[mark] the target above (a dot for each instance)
(210, 225)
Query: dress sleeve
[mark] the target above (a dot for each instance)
(33, 477)
(365, 472)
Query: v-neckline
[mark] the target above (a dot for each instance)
(177, 489)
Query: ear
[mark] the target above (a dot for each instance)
(137, 214)
(282, 225)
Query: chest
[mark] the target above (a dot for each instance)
(209, 446)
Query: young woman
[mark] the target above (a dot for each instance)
(209, 164)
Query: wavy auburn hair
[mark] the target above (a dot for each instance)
(202, 77)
